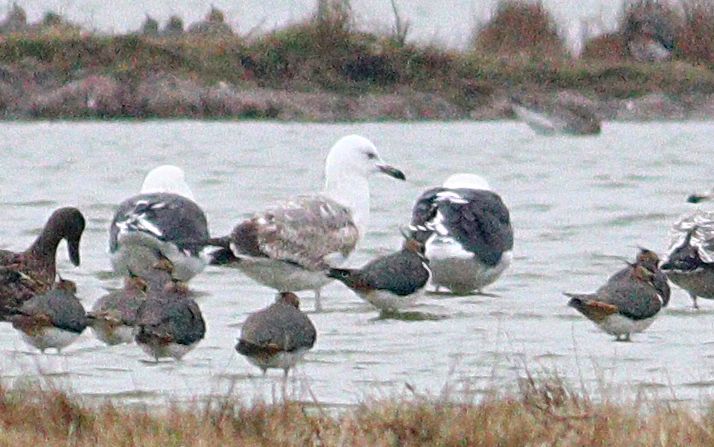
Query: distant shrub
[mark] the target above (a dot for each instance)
(695, 42)
(520, 27)
(610, 47)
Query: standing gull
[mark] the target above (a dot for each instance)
(468, 233)
(161, 222)
(629, 301)
(277, 336)
(289, 246)
(690, 261)
(389, 282)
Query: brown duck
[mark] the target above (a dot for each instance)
(33, 271)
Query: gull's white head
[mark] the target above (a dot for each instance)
(355, 155)
(166, 178)
(467, 181)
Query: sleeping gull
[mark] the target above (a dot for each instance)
(289, 246)
(468, 233)
(159, 223)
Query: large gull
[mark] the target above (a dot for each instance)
(467, 231)
(289, 245)
(161, 222)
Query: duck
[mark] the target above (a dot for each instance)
(467, 231)
(33, 271)
(629, 301)
(288, 246)
(390, 282)
(169, 323)
(278, 336)
(54, 319)
(163, 221)
(690, 258)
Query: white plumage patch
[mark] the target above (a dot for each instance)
(451, 196)
(702, 222)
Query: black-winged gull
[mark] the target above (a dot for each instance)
(162, 222)
(467, 231)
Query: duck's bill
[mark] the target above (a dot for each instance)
(73, 248)
(391, 171)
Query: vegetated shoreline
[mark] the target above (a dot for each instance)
(543, 412)
(53, 77)
(320, 72)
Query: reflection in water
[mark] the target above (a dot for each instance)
(409, 316)
(571, 231)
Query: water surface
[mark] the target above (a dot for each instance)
(580, 207)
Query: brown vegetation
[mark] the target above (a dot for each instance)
(519, 27)
(543, 412)
(324, 69)
(695, 42)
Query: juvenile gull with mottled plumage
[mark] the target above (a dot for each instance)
(289, 246)
(162, 222)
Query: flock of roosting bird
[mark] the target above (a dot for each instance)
(460, 238)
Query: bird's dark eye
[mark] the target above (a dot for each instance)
(371, 155)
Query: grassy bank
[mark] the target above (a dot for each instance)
(326, 69)
(542, 413)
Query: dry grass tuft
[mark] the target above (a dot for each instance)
(695, 42)
(543, 412)
(519, 27)
(607, 47)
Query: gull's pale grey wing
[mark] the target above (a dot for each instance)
(167, 217)
(303, 231)
(478, 220)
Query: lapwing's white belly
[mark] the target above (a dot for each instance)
(387, 301)
(282, 360)
(617, 325)
(113, 333)
(168, 350)
(50, 337)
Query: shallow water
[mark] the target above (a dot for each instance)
(580, 206)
